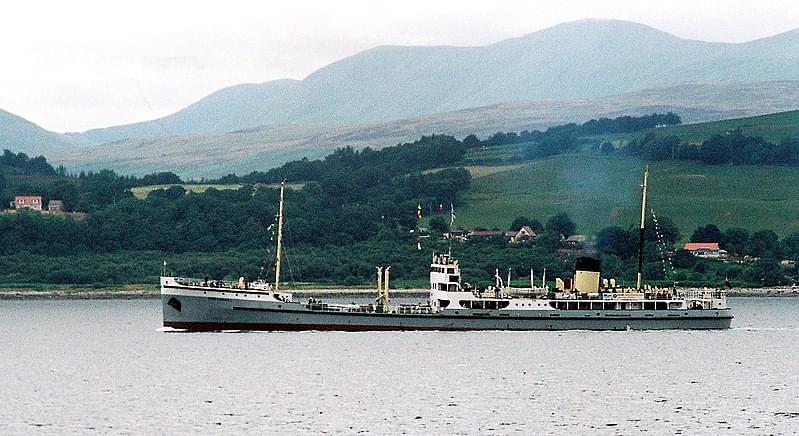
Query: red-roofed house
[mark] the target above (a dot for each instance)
(708, 250)
(28, 202)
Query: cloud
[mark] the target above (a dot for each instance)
(156, 62)
(91, 63)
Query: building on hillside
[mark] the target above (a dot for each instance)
(523, 234)
(705, 250)
(486, 233)
(512, 236)
(576, 240)
(455, 234)
(56, 206)
(28, 202)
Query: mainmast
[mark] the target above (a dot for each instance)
(279, 236)
(451, 228)
(641, 234)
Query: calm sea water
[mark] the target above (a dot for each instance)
(104, 367)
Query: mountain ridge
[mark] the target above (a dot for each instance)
(392, 82)
(16, 131)
(416, 89)
(263, 147)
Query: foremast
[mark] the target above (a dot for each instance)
(278, 252)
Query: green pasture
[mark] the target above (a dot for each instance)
(600, 191)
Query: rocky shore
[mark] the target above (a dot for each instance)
(77, 293)
(764, 292)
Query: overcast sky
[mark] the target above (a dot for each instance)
(75, 65)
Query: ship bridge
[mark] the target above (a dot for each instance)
(445, 274)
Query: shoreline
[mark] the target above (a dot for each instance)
(136, 292)
(132, 293)
(764, 292)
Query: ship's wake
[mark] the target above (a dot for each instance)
(169, 330)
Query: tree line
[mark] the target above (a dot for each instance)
(622, 124)
(755, 259)
(21, 163)
(567, 137)
(81, 192)
(730, 148)
(367, 165)
(348, 197)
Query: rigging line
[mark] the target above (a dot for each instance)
(289, 264)
(266, 265)
(661, 248)
(660, 243)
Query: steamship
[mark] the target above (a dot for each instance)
(584, 302)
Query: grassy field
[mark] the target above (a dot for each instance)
(293, 186)
(141, 192)
(772, 127)
(501, 152)
(598, 192)
(482, 170)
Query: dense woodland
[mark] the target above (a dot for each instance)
(566, 138)
(754, 258)
(732, 148)
(355, 209)
(624, 124)
(367, 166)
(353, 198)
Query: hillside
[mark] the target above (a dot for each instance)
(772, 127)
(598, 192)
(19, 134)
(269, 146)
(578, 60)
